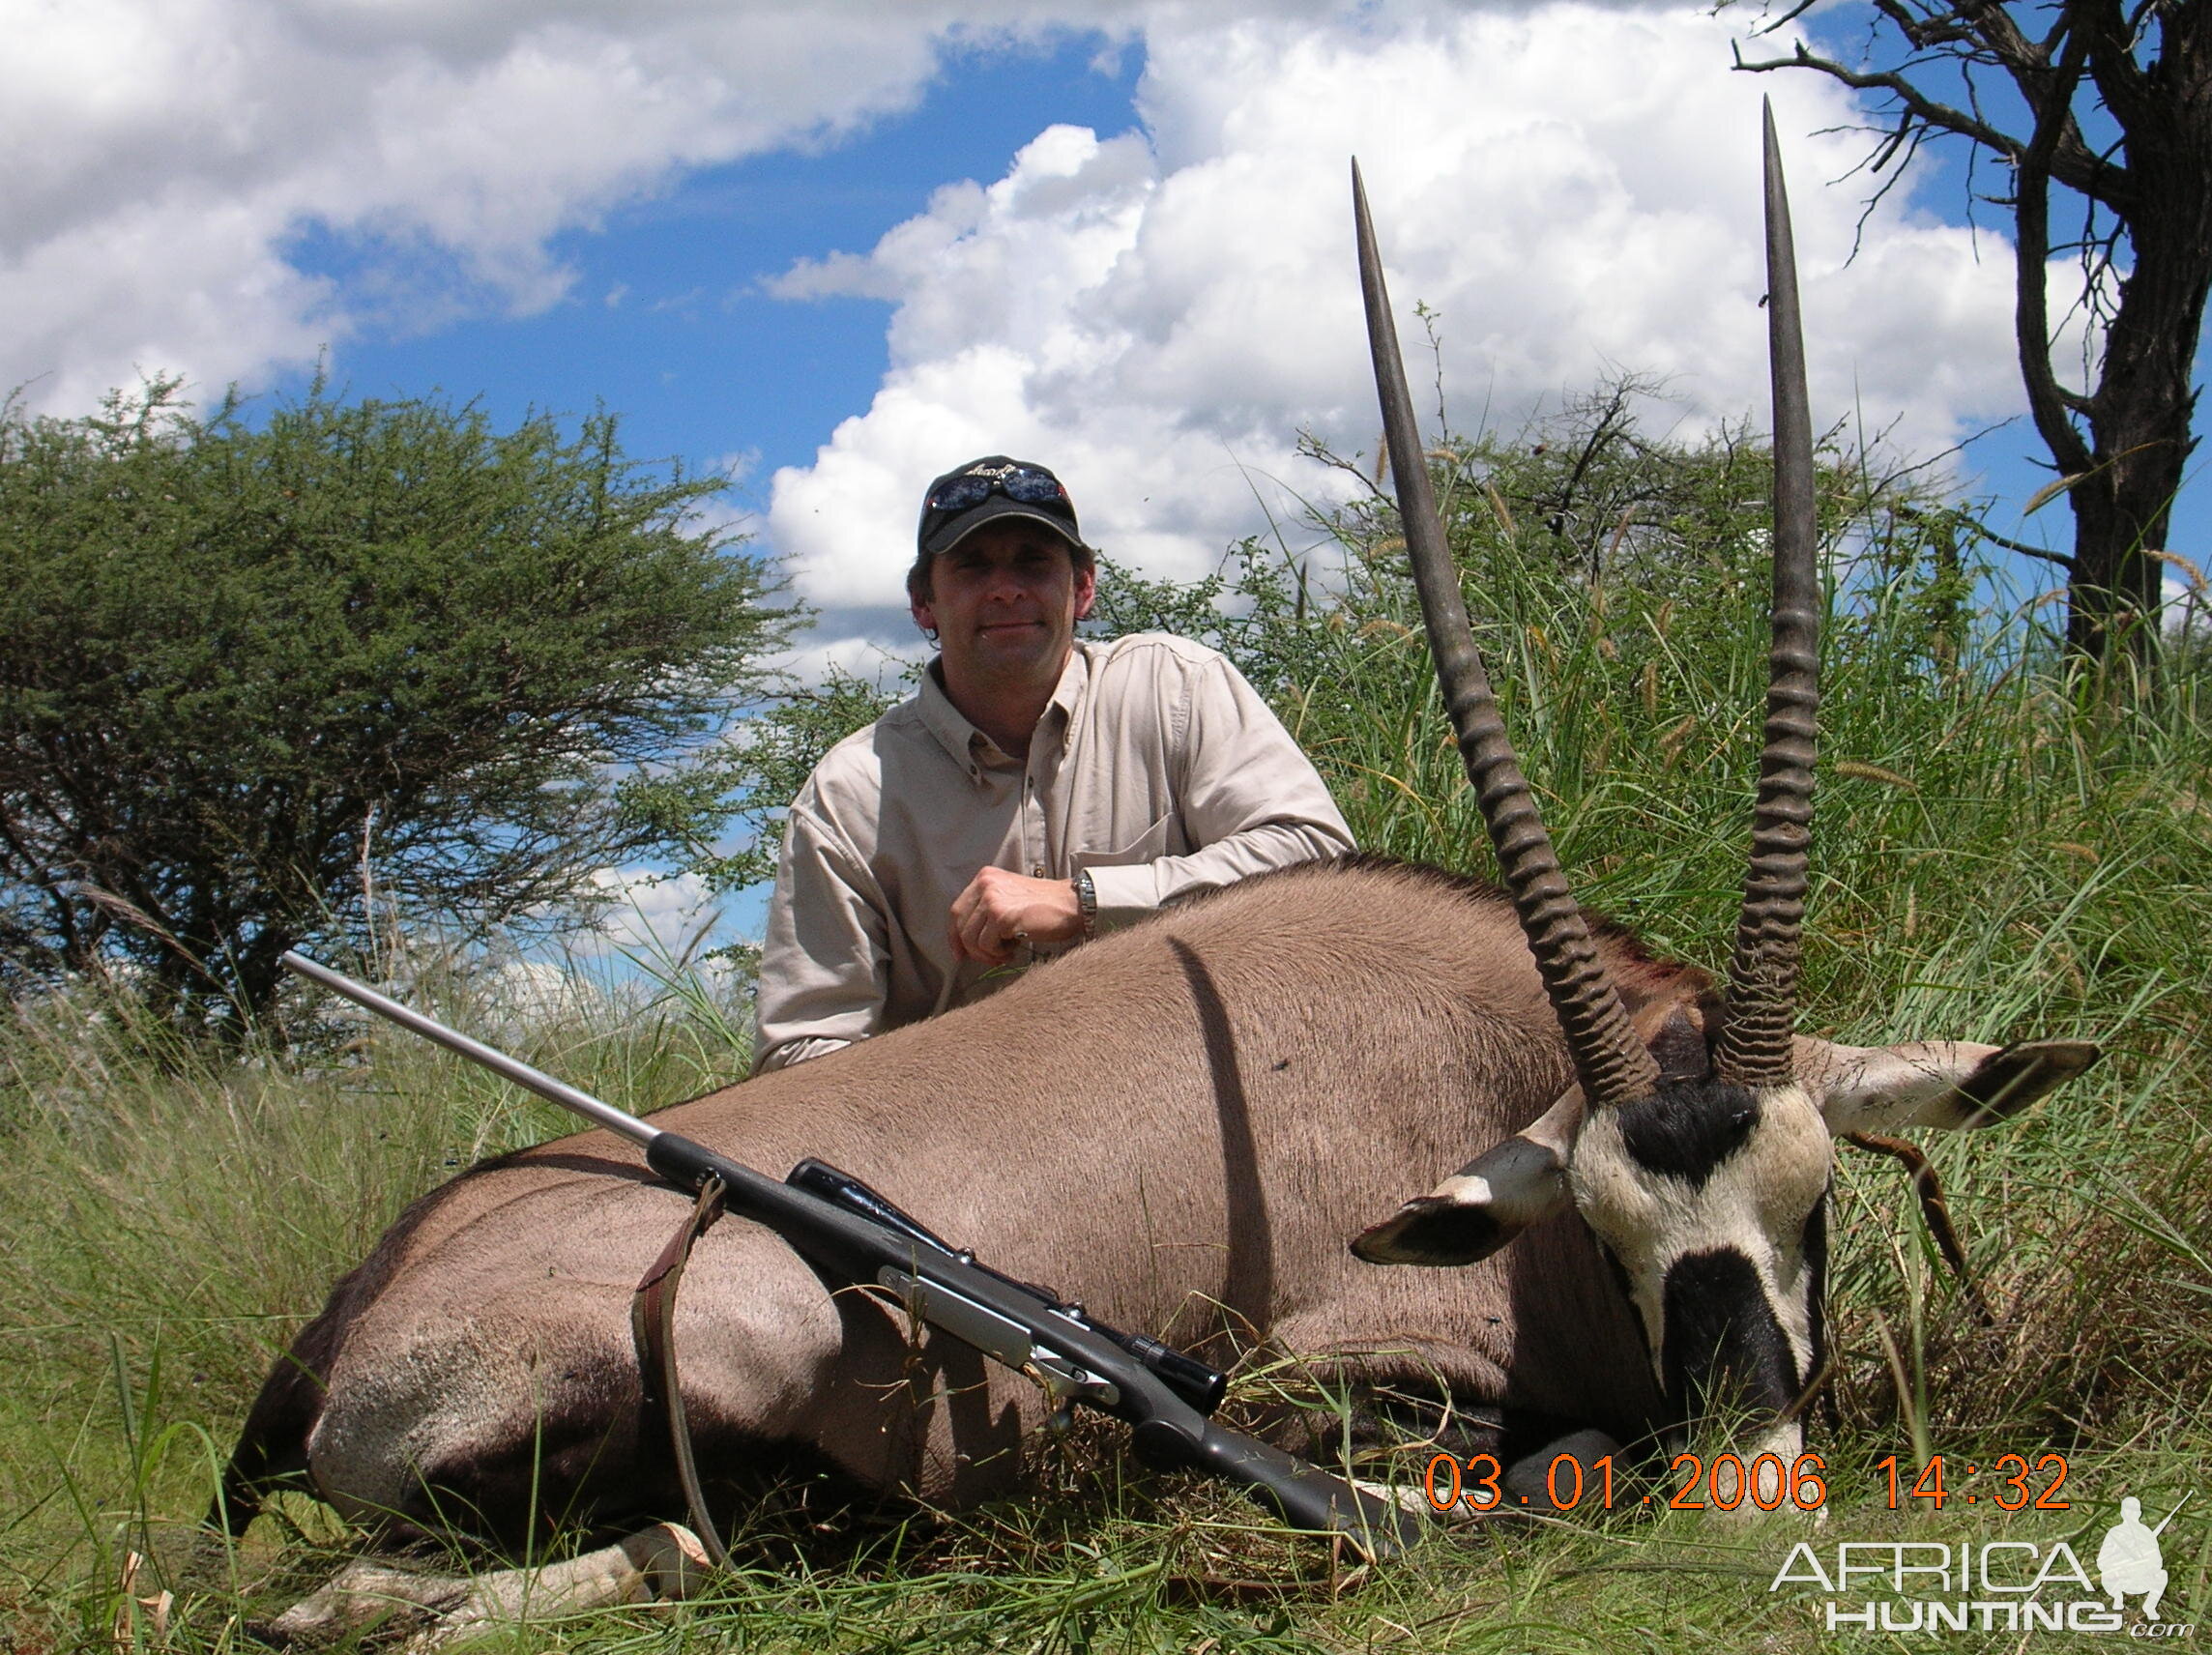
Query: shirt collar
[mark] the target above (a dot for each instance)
(960, 739)
(1067, 695)
(943, 720)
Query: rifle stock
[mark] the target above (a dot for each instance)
(1089, 1363)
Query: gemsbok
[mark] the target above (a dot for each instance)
(1181, 1124)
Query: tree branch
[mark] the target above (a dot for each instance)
(1990, 31)
(2020, 549)
(2048, 402)
(1916, 103)
(2071, 163)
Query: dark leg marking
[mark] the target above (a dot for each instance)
(1935, 1212)
(1532, 1481)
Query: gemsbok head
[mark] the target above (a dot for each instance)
(1699, 1157)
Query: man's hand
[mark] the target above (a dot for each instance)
(1000, 911)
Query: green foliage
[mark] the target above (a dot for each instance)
(754, 778)
(251, 674)
(175, 1208)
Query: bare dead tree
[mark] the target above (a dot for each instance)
(2110, 103)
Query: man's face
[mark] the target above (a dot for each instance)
(1004, 602)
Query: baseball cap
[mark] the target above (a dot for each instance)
(991, 490)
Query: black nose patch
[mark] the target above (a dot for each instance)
(1724, 1345)
(1686, 1129)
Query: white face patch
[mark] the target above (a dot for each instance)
(1754, 1201)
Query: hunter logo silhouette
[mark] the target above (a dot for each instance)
(2129, 1561)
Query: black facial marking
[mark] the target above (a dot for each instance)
(1815, 1248)
(1432, 1231)
(1680, 1051)
(1724, 1345)
(1686, 1130)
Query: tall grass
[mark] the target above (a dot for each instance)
(175, 1214)
(1999, 852)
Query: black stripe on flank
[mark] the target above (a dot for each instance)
(1724, 1345)
(1687, 1129)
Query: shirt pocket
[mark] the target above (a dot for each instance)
(1154, 842)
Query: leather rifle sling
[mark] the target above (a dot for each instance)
(653, 1329)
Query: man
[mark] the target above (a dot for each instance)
(1039, 789)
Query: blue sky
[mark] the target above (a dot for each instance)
(840, 248)
(666, 321)
(589, 205)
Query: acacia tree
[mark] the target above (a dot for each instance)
(2110, 103)
(252, 671)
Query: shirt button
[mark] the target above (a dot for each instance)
(1036, 873)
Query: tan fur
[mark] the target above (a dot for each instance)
(1177, 1125)
(1180, 1125)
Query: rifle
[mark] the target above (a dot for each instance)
(840, 1225)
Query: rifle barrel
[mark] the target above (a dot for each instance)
(583, 1103)
(1169, 1427)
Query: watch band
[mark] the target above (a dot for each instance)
(1087, 903)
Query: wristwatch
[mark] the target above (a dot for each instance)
(1087, 903)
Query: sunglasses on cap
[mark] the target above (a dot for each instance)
(1032, 485)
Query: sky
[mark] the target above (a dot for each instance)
(835, 249)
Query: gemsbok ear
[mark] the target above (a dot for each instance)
(1488, 1202)
(1951, 1084)
(1516, 1184)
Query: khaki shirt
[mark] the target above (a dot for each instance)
(1155, 765)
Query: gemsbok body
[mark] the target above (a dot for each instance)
(1181, 1126)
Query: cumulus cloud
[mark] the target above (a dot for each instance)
(1569, 185)
(862, 653)
(165, 158)
(526, 996)
(650, 913)
(1572, 188)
